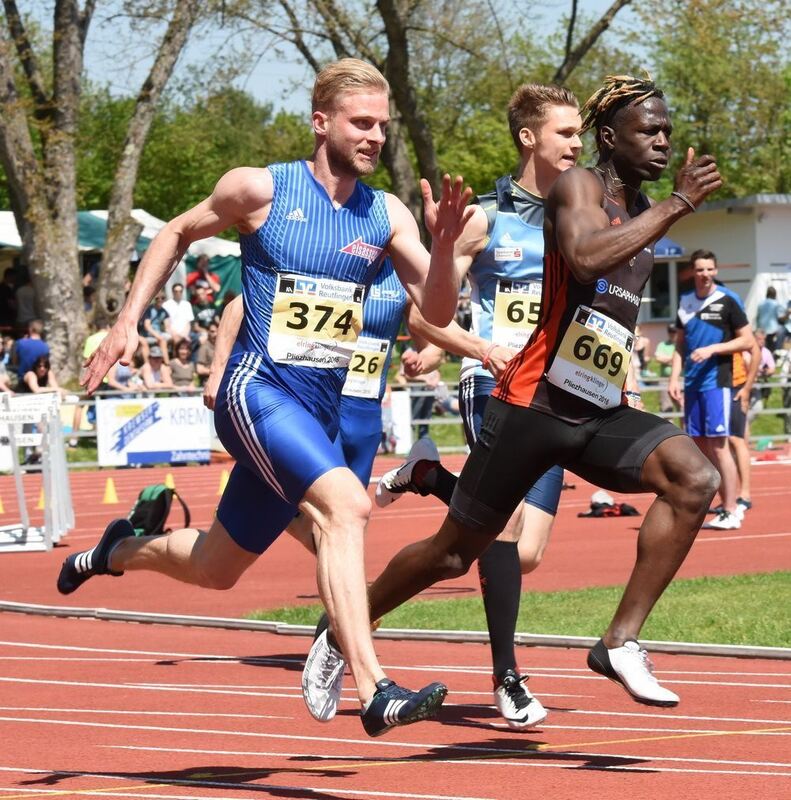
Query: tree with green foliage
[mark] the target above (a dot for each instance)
(725, 69)
(40, 90)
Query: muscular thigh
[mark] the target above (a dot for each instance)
(515, 446)
(474, 393)
(618, 444)
(252, 512)
(273, 435)
(360, 434)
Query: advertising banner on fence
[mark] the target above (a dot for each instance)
(155, 430)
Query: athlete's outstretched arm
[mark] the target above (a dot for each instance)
(230, 322)
(241, 198)
(432, 281)
(586, 240)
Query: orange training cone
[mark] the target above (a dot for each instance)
(110, 495)
(169, 482)
(223, 481)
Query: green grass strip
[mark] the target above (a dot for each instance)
(739, 609)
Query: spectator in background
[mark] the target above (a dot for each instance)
(25, 298)
(227, 299)
(640, 352)
(422, 398)
(29, 348)
(206, 354)
(464, 309)
(154, 327)
(8, 298)
(88, 295)
(8, 349)
(155, 373)
(766, 367)
(204, 310)
(769, 318)
(712, 326)
(182, 368)
(202, 273)
(5, 378)
(181, 315)
(664, 357)
(40, 379)
(121, 377)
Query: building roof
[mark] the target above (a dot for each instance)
(750, 200)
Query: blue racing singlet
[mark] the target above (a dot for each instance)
(382, 313)
(304, 277)
(505, 277)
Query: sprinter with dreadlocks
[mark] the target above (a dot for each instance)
(561, 401)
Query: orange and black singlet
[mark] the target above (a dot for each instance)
(575, 364)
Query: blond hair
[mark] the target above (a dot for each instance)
(528, 106)
(346, 75)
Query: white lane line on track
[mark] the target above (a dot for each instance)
(140, 712)
(539, 671)
(151, 687)
(232, 659)
(168, 654)
(349, 693)
(193, 689)
(527, 753)
(483, 723)
(705, 539)
(294, 737)
(158, 782)
(472, 668)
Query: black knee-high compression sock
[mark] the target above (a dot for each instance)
(501, 585)
(434, 479)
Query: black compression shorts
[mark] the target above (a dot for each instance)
(516, 445)
(738, 417)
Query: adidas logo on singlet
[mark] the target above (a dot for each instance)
(297, 215)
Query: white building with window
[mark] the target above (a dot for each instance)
(751, 237)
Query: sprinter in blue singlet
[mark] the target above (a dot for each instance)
(313, 238)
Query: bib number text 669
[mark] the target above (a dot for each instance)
(602, 356)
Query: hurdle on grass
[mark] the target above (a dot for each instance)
(41, 413)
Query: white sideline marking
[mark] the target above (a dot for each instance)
(742, 537)
(290, 737)
(152, 687)
(141, 712)
(483, 723)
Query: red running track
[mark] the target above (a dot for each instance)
(105, 709)
(108, 709)
(583, 552)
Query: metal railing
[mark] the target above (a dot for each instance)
(649, 384)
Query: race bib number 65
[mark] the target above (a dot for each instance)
(315, 321)
(517, 309)
(593, 358)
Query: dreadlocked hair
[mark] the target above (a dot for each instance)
(617, 92)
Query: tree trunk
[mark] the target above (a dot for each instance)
(397, 71)
(122, 229)
(43, 189)
(54, 268)
(395, 157)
